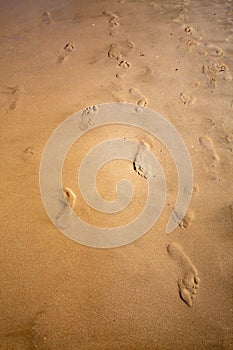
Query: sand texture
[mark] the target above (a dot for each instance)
(163, 291)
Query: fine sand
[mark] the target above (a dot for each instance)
(163, 291)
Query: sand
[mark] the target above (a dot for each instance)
(163, 291)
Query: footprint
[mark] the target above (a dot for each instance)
(187, 97)
(146, 140)
(187, 219)
(187, 44)
(46, 17)
(113, 28)
(230, 19)
(140, 166)
(117, 90)
(214, 50)
(188, 29)
(195, 190)
(113, 23)
(183, 3)
(121, 74)
(66, 51)
(39, 331)
(12, 93)
(213, 70)
(153, 4)
(28, 152)
(120, 50)
(68, 201)
(124, 64)
(230, 38)
(114, 52)
(142, 100)
(87, 117)
(231, 211)
(211, 76)
(21, 337)
(147, 75)
(222, 70)
(228, 141)
(182, 18)
(69, 196)
(207, 143)
(202, 52)
(188, 281)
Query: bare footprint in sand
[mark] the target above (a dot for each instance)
(27, 153)
(202, 52)
(214, 70)
(121, 74)
(222, 70)
(195, 190)
(188, 281)
(12, 93)
(63, 217)
(117, 89)
(231, 211)
(188, 29)
(87, 117)
(187, 44)
(141, 99)
(46, 17)
(39, 330)
(229, 38)
(182, 18)
(214, 50)
(187, 219)
(65, 52)
(140, 166)
(69, 196)
(113, 22)
(124, 64)
(207, 143)
(119, 52)
(114, 52)
(21, 337)
(187, 96)
(211, 76)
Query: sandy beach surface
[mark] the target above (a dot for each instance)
(163, 291)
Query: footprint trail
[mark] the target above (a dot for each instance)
(113, 23)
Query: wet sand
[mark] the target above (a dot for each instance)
(163, 291)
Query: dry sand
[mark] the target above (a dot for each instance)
(58, 57)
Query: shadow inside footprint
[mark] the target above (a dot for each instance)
(46, 17)
(140, 165)
(112, 22)
(188, 288)
(189, 280)
(66, 51)
(87, 117)
(141, 99)
(12, 93)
